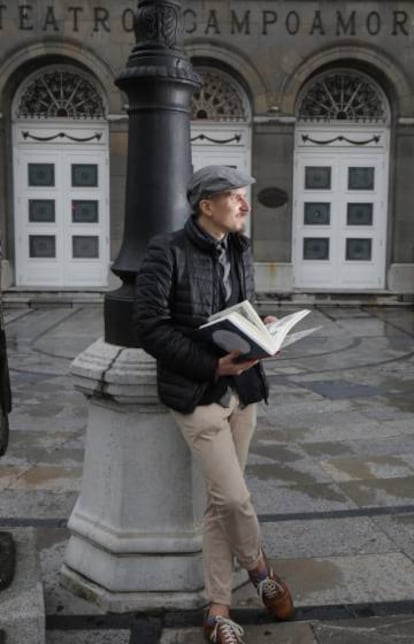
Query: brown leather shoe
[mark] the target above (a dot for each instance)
(222, 630)
(274, 594)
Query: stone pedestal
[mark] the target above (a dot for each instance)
(135, 530)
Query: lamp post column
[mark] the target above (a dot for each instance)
(158, 81)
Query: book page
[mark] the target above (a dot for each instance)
(294, 337)
(279, 330)
(245, 309)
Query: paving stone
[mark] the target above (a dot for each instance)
(265, 634)
(361, 447)
(400, 529)
(374, 467)
(301, 472)
(373, 630)
(380, 492)
(327, 537)
(350, 579)
(51, 478)
(271, 498)
(36, 504)
(22, 612)
(58, 600)
(87, 637)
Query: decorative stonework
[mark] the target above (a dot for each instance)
(60, 93)
(342, 96)
(219, 99)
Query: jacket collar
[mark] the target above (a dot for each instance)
(205, 242)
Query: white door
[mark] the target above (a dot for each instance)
(339, 214)
(61, 214)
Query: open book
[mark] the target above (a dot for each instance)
(239, 328)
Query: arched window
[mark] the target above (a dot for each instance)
(342, 95)
(219, 99)
(59, 92)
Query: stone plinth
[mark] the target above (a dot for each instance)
(135, 530)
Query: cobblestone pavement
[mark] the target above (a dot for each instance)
(331, 471)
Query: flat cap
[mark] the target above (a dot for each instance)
(213, 179)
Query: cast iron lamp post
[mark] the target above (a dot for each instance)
(135, 542)
(159, 81)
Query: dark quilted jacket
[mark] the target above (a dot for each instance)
(176, 291)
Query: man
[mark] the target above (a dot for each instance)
(184, 278)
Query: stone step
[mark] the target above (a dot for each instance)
(17, 298)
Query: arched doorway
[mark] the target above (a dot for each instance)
(340, 183)
(220, 122)
(61, 180)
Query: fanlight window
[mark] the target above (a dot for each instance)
(219, 99)
(342, 96)
(60, 93)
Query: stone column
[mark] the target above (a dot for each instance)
(135, 540)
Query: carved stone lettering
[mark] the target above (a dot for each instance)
(317, 24)
(292, 23)
(50, 20)
(373, 23)
(268, 18)
(190, 21)
(345, 26)
(399, 23)
(101, 17)
(237, 24)
(24, 17)
(162, 25)
(212, 22)
(128, 20)
(75, 11)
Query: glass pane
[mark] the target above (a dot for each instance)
(358, 249)
(42, 210)
(317, 178)
(316, 248)
(359, 214)
(84, 212)
(85, 246)
(41, 174)
(317, 214)
(84, 175)
(361, 178)
(42, 246)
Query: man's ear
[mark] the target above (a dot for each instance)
(204, 207)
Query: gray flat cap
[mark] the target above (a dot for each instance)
(213, 179)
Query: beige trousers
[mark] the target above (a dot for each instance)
(219, 437)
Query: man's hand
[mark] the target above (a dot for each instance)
(227, 365)
(269, 319)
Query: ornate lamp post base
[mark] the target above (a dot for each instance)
(135, 541)
(125, 602)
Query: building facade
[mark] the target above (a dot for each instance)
(316, 99)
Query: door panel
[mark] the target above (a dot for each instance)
(61, 214)
(339, 219)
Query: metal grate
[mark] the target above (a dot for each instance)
(60, 93)
(342, 96)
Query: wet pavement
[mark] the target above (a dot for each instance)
(331, 472)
